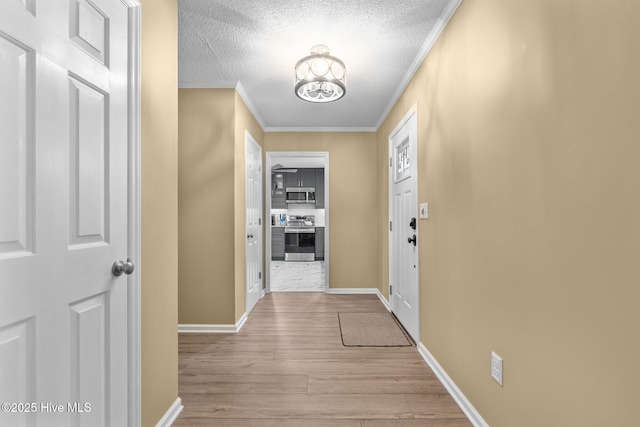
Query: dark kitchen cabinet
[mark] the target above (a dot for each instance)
(319, 188)
(291, 180)
(307, 177)
(278, 195)
(319, 243)
(277, 243)
(302, 178)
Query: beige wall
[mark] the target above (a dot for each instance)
(206, 197)
(159, 266)
(212, 125)
(528, 151)
(353, 200)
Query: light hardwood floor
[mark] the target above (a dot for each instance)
(287, 367)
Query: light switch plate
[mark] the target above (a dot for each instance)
(496, 367)
(424, 210)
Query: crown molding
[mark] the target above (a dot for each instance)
(229, 85)
(320, 129)
(215, 85)
(442, 22)
(245, 97)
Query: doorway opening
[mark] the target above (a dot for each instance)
(297, 232)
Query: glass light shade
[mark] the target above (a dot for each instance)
(320, 77)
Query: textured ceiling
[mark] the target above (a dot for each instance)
(254, 45)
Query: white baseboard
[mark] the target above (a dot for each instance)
(462, 401)
(172, 413)
(351, 291)
(384, 301)
(213, 329)
(367, 291)
(240, 323)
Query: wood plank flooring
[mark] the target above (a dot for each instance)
(287, 367)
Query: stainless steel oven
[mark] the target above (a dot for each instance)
(300, 238)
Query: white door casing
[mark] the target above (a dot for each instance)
(403, 213)
(65, 204)
(253, 218)
(318, 159)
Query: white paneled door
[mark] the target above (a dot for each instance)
(253, 219)
(64, 143)
(403, 212)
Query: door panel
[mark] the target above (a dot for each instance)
(88, 338)
(18, 365)
(16, 163)
(88, 163)
(403, 254)
(89, 29)
(253, 222)
(63, 210)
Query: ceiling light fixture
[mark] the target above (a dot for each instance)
(320, 77)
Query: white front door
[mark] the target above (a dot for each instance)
(63, 212)
(253, 218)
(403, 212)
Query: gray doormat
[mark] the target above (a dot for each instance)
(371, 330)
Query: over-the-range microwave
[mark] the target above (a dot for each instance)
(301, 195)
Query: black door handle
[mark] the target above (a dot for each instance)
(412, 240)
(412, 223)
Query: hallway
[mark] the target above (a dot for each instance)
(288, 367)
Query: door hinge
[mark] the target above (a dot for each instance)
(260, 275)
(390, 291)
(390, 162)
(259, 221)
(390, 225)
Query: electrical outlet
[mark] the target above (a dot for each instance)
(496, 367)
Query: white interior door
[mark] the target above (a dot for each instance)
(253, 218)
(63, 212)
(403, 207)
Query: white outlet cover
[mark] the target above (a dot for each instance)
(424, 210)
(496, 367)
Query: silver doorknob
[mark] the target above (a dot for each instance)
(120, 267)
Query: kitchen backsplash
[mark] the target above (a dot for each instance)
(319, 213)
